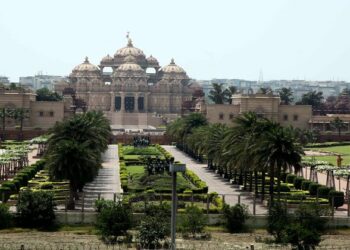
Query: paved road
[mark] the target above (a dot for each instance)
(215, 182)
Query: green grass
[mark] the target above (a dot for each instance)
(139, 179)
(343, 150)
(131, 150)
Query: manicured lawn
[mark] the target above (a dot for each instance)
(343, 150)
(139, 180)
(131, 150)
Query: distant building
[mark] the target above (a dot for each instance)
(4, 80)
(40, 81)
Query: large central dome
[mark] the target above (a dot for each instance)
(130, 50)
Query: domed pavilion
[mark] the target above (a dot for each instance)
(130, 88)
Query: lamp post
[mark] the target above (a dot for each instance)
(174, 168)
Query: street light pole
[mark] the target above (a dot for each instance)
(174, 168)
(173, 211)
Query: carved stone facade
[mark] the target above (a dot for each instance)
(129, 86)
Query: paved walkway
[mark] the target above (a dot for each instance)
(106, 183)
(215, 182)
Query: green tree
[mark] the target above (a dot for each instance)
(278, 148)
(235, 217)
(193, 220)
(312, 98)
(19, 115)
(338, 124)
(4, 113)
(218, 95)
(231, 91)
(114, 220)
(75, 147)
(44, 94)
(286, 95)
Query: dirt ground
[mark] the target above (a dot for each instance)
(86, 239)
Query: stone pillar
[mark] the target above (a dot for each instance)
(122, 101)
(136, 102)
(112, 108)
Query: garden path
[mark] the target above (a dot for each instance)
(106, 183)
(215, 182)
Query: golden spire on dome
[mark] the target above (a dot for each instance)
(86, 60)
(172, 61)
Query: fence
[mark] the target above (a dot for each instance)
(201, 245)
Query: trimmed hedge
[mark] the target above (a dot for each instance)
(338, 198)
(297, 182)
(192, 177)
(290, 178)
(20, 180)
(305, 184)
(313, 187)
(283, 188)
(323, 191)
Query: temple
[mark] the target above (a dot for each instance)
(130, 88)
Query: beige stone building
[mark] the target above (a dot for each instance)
(36, 114)
(130, 88)
(266, 105)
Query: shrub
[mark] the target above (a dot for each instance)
(36, 209)
(283, 176)
(193, 221)
(323, 191)
(290, 178)
(5, 193)
(114, 220)
(5, 216)
(313, 188)
(235, 217)
(277, 220)
(336, 198)
(155, 226)
(283, 188)
(305, 184)
(297, 182)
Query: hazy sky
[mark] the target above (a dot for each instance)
(296, 39)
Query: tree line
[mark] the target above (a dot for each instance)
(253, 146)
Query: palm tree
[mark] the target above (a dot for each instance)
(286, 95)
(312, 98)
(231, 91)
(83, 138)
(4, 113)
(218, 95)
(73, 161)
(19, 114)
(338, 124)
(279, 148)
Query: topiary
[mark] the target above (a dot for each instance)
(290, 178)
(283, 188)
(305, 184)
(323, 191)
(5, 216)
(313, 188)
(297, 182)
(336, 198)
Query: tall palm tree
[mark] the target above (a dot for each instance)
(19, 115)
(86, 135)
(338, 124)
(286, 95)
(4, 113)
(73, 161)
(218, 95)
(278, 148)
(231, 91)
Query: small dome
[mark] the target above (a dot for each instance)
(107, 59)
(152, 61)
(173, 71)
(86, 69)
(129, 68)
